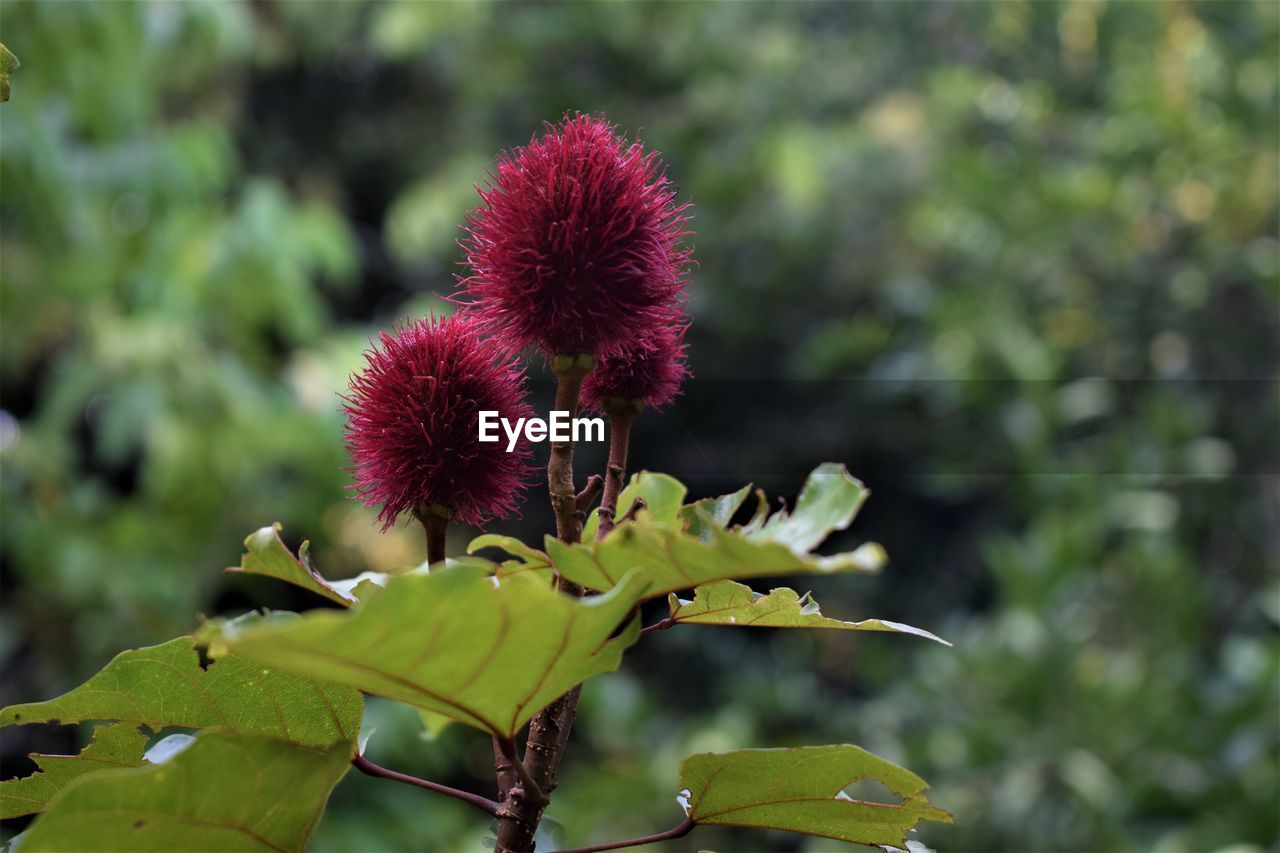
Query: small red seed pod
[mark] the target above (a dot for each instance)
(651, 372)
(413, 422)
(576, 247)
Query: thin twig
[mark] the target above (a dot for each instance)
(662, 625)
(636, 505)
(589, 493)
(684, 828)
(485, 804)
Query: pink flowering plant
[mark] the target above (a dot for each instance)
(578, 251)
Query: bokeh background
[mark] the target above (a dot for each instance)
(1015, 263)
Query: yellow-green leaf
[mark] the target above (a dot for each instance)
(528, 559)
(678, 548)
(267, 555)
(715, 512)
(8, 64)
(112, 747)
(830, 499)
(662, 495)
(225, 792)
(734, 604)
(803, 790)
(486, 652)
(162, 686)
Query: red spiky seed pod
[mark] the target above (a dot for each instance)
(413, 422)
(576, 246)
(650, 372)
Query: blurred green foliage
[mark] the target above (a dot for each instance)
(1027, 251)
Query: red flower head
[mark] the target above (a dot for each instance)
(576, 246)
(651, 372)
(413, 422)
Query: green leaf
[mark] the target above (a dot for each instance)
(675, 556)
(486, 652)
(662, 495)
(113, 746)
(673, 560)
(713, 511)
(728, 603)
(267, 555)
(8, 64)
(528, 559)
(434, 723)
(802, 790)
(225, 792)
(164, 685)
(830, 499)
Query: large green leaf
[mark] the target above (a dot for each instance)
(803, 790)
(486, 652)
(672, 559)
(113, 746)
(164, 685)
(734, 604)
(225, 792)
(677, 548)
(266, 554)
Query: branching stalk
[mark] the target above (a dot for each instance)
(549, 729)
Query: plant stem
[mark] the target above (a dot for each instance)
(530, 790)
(660, 625)
(569, 376)
(435, 522)
(364, 765)
(518, 818)
(505, 769)
(621, 416)
(684, 828)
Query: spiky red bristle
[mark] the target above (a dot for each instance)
(576, 247)
(413, 420)
(652, 371)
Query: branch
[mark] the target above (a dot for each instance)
(682, 829)
(529, 790)
(485, 804)
(661, 625)
(621, 415)
(569, 371)
(505, 769)
(548, 730)
(636, 505)
(589, 493)
(435, 521)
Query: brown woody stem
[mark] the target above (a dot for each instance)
(518, 817)
(622, 413)
(435, 521)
